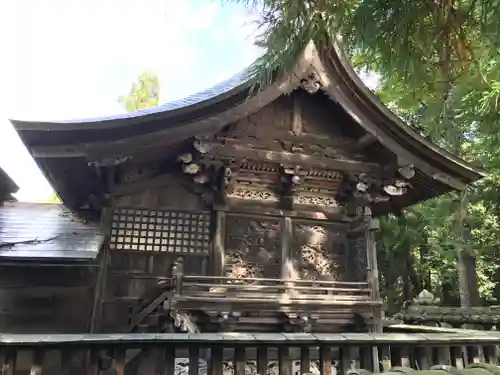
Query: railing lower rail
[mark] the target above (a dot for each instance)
(249, 353)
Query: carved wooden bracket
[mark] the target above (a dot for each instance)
(312, 81)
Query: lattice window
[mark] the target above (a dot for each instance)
(153, 230)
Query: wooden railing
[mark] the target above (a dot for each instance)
(257, 289)
(249, 353)
(231, 294)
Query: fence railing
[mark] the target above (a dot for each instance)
(257, 289)
(242, 353)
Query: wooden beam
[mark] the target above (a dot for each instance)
(218, 244)
(286, 258)
(335, 214)
(371, 249)
(58, 152)
(289, 158)
(365, 141)
(140, 186)
(450, 181)
(297, 116)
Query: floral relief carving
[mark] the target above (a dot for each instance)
(315, 200)
(253, 195)
(253, 247)
(318, 252)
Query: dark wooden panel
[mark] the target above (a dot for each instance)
(253, 246)
(115, 316)
(36, 323)
(166, 192)
(46, 298)
(318, 251)
(41, 274)
(41, 297)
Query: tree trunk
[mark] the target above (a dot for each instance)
(466, 264)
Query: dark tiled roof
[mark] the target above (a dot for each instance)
(7, 186)
(31, 230)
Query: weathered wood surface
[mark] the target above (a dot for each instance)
(247, 352)
(31, 231)
(46, 298)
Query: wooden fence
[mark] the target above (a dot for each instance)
(245, 353)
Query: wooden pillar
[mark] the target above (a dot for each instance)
(285, 247)
(97, 307)
(218, 257)
(373, 277)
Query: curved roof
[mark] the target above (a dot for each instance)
(210, 96)
(7, 187)
(210, 110)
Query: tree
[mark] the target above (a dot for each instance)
(465, 121)
(440, 71)
(144, 93)
(416, 40)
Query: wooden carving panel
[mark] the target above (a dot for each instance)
(318, 252)
(155, 230)
(252, 247)
(357, 257)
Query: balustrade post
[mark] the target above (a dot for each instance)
(93, 362)
(458, 357)
(37, 362)
(194, 360)
(119, 361)
(444, 355)
(169, 360)
(305, 360)
(215, 363)
(9, 360)
(366, 359)
(178, 273)
(490, 354)
(239, 360)
(345, 352)
(284, 361)
(424, 357)
(325, 360)
(262, 360)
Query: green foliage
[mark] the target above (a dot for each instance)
(420, 40)
(144, 93)
(463, 120)
(440, 72)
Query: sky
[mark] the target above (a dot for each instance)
(73, 58)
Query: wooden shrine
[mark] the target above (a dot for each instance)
(240, 210)
(48, 269)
